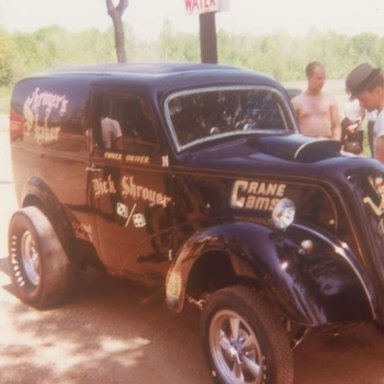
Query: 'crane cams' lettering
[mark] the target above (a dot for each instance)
(261, 196)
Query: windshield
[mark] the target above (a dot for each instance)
(210, 114)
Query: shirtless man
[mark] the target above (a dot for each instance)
(316, 111)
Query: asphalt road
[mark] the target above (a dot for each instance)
(116, 332)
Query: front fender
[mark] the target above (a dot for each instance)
(312, 287)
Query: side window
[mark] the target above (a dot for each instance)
(124, 124)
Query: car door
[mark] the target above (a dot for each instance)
(129, 187)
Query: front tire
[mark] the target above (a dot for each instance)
(244, 340)
(40, 269)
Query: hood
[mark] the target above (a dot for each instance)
(264, 153)
(286, 155)
(297, 147)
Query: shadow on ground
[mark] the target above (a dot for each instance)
(113, 331)
(117, 332)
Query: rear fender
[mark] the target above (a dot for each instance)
(37, 193)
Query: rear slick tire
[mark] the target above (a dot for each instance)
(244, 341)
(41, 272)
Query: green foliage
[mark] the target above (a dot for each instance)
(177, 47)
(5, 61)
(278, 54)
(24, 53)
(285, 56)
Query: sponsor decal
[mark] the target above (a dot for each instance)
(377, 184)
(130, 215)
(130, 188)
(139, 220)
(45, 135)
(113, 156)
(122, 210)
(102, 187)
(165, 161)
(15, 262)
(39, 109)
(256, 195)
(82, 231)
(173, 286)
(137, 159)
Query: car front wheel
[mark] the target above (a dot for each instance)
(244, 340)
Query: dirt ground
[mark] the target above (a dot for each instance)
(116, 332)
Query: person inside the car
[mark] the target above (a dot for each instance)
(111, 133)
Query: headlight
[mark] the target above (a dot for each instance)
(284, 213)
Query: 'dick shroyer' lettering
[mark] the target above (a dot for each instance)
(103, 187)
(256, 195)
(137, 191)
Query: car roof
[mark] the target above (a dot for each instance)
(161, 76)
(145, 68)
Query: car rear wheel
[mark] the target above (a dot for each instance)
(244, 340)
(40, 269)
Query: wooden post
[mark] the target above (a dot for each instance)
(208, 41)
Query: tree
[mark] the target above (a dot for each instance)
(116, 13)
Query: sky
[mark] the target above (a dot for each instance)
(146, 17)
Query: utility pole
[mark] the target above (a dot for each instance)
(206, 9)
(208, 39)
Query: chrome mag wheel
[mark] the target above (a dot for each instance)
(30, 258)
(235, 349)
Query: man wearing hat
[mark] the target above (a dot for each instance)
(366, 83)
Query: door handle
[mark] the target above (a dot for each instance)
(93, 169)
